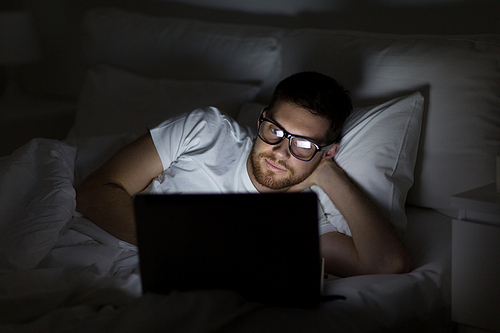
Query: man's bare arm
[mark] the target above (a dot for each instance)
(374, 246)
(105, 197)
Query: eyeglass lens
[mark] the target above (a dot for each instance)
(272, 134)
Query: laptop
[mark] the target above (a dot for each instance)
(263, 246)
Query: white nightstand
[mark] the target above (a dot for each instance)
(30, 118)
(476, 259)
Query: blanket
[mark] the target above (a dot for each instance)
(60, 272)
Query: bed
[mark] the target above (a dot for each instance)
(426, 125)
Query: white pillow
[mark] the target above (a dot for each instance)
(378, 150)
(115, 101)
(95, 151)
(459, 77)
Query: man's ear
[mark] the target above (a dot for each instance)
(331, 152)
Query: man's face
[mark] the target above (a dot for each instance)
(273, 167)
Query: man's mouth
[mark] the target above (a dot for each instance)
(275, 167)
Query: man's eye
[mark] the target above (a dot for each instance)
(303, 144)
(277, 132)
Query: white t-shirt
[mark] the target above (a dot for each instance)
(205, 151)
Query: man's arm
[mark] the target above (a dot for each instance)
(105, 197)
(374, 246)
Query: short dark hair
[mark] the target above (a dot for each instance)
(317, 93)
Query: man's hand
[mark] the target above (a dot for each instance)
(326, 168)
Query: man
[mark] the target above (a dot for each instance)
(205, 151)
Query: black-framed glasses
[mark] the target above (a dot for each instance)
(300, 148)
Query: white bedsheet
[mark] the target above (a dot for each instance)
(59, 272)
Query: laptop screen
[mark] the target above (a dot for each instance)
(263, 246)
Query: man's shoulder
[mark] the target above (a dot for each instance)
(207, 124)
(206, 112)
(218, 121)
(209, 114)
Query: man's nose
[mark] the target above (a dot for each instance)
(281, 149)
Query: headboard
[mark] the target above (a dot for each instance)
(459, 77)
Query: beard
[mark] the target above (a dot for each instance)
(268, 178)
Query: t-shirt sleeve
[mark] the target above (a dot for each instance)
(186, 133)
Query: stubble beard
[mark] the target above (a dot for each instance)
(268, 178)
